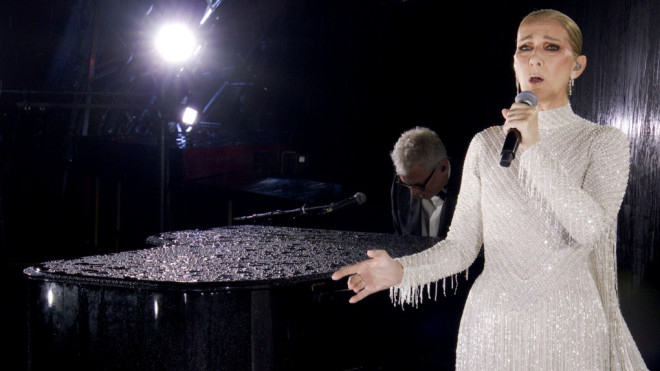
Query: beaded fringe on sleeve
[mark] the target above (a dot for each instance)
(624, 354)
(454, 254)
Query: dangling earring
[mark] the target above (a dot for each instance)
(517, 86)
(571, 83)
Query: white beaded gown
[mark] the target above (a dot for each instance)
(547, 297)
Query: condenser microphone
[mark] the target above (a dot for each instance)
(513, 136)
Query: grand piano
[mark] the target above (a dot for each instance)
(242, 297)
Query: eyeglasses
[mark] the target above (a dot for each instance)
(419, 187)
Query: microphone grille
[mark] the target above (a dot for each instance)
(527, 97)
(360, 198)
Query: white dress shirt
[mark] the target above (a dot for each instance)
(430, 215)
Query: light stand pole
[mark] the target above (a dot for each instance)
(176, 44)
(163, 172)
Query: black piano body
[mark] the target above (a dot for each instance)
(233, 298)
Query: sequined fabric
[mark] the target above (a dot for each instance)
(547, 297)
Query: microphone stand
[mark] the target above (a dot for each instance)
(301, 211)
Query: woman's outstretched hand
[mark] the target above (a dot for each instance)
(378, 273)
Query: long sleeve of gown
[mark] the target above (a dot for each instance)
(585, 210)
(583, 207)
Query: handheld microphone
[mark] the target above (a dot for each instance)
(513, 136)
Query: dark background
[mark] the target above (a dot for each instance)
(333, 81)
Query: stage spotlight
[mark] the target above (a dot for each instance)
(175, 42)
(189, 116)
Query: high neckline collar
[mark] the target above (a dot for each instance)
(556, 118)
